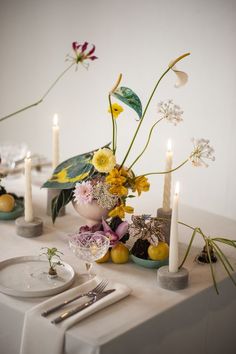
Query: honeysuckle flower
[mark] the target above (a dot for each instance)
(120, 211)
(202, 150)
(141, 184)
(82, 53)
(170, 111)
(117, 234)
(116, 110)
(83, 193)
(104, 160)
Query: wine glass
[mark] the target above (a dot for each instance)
(11, 153)
(89, 246)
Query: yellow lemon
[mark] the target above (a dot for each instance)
(7, 203)
(105, 258)
(159, 252)
(120, 254)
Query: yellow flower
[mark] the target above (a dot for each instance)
(118, 190)
(104, 160)
(115, 177)
(141, 184)
(116, 110)
(120, 211)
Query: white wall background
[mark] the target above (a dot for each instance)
(137, 38)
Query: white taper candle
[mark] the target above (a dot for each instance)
(174, 247)
(29, 215)
(167, 179)
(55, 142)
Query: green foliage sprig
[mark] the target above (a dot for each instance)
(212, 243)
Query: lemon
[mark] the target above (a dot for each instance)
(119, 254)
(159, 252)
(105, 258)
(7, 203)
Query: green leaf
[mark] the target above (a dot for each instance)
(130, 98)
(71, 171)
(63, 198)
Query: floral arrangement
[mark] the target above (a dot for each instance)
(98, 176)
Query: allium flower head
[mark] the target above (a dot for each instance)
(116, 110)
(83, 193)
(104, 160)
(82, 54)
(170, 111)
(202, 150)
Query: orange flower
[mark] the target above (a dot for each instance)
(120, 211)
(115, 177)
(141, 184)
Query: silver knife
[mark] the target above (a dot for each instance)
(79, 308)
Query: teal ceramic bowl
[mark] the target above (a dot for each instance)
(15, 213)
(148, 263)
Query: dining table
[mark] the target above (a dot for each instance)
(151, 320)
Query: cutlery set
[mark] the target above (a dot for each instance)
(95, 295)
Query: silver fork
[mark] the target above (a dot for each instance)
(97, 290)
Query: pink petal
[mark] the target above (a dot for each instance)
(91, 51)
(106, 227)
(122, 229)
(93, 57)
(84, 46)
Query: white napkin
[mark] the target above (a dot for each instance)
(40, 336)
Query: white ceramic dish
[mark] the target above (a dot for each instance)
(27, 277)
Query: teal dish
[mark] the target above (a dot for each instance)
(15, 213)
(148, 263)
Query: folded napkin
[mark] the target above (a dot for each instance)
(40, 336)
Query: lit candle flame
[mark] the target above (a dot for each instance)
(177, 188)
(55, 120)
(169, 145)
(28, 155)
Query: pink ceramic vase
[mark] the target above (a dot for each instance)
(91, 212)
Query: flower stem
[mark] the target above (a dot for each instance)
(164, 172)
(113, 125)
(189, 246)
(143, 116)
(39, 101)
(146, 145)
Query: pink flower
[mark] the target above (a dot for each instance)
(115, 236)
(83, 193)
(80, 52)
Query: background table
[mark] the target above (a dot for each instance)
(151, 320)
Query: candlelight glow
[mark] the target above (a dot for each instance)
(169, 145)
(177, 188)
(28, 155)
(55, 120)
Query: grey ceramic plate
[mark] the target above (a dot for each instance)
(27, 277)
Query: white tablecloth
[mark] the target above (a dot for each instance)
(150, 321)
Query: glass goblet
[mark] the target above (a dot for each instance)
(89, 246)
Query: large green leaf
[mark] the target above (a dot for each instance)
(130, 98)
(71, 171)
(60, 201)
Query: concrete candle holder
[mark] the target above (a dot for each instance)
(29, 229)
(172, 281)
(52, 193)
(161, 213)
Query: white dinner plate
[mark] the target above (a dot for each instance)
(27, 276)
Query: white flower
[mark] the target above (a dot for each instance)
(202, 150)
(182, 77)
(170, 111)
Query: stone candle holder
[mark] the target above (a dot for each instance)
(161, 213)
(172, 281)
(29, 229)
(52, 193)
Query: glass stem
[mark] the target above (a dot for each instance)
(88, 268)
